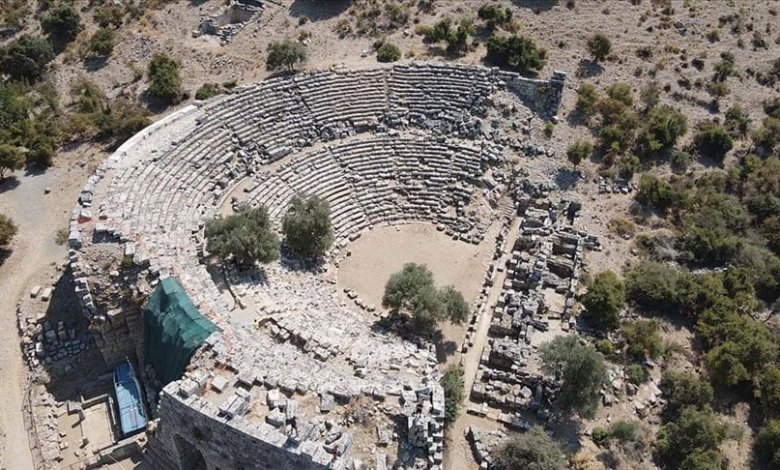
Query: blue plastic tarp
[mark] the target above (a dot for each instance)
(132, 417)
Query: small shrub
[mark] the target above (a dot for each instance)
(636, 374)
(600, 434)
(713, 141)
(549, 129)
(579, 151)
(388, 52)
(207, 90)
(101, 43)
(599, 47)
(452, 382)
(624, 431)
(61, 237)
(8, 231)
(127, 263)
(586, 100)
(605, 347)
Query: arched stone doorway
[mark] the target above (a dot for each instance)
(190, 458)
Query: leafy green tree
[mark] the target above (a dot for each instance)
(533, 450)
(643, 338)
(62, 24)
(454, 304)
(650, 94)
(101, 43)
(246, 236)
(452, 382)
(7, 230)
(388, 52)
(285, 55)
(412, 291)
(684, 390)
(604, 299)
(767, 445)
(582, 370)
(713, 141)
(516, 52)
(165, 78)
(307, 228)
(691, 439)
(579, 151)
(11, 158)
(599, 47)
(26, 58)
(652, 286)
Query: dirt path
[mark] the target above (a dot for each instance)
(38, 216)
(459, 456)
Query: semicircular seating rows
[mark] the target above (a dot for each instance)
(383, 146)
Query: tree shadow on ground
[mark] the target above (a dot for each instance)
(93, 64)
(537, 5)
(566, 430)
(33, 169)
(316, 10)
(444, 348)
(399, 324)
(566, 178)
(8, 183)
(587, 68)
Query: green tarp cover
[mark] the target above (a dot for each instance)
(173, 330)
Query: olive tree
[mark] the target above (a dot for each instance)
(307, 227)
(245, 236)
(412, 292)
(581, 370)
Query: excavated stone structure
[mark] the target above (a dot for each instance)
(296, 378)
